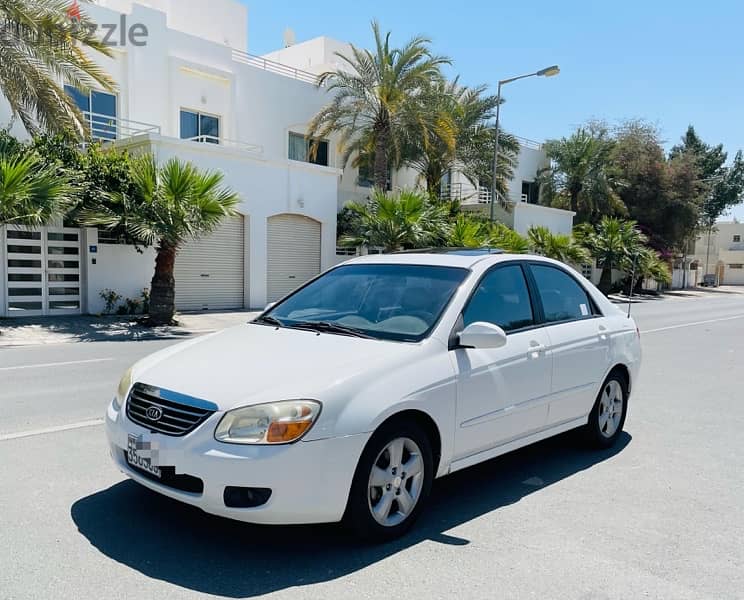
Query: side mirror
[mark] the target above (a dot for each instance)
(482, 335)
(269, 305)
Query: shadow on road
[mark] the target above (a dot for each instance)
(166, 540)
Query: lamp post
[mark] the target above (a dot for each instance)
(546, 72)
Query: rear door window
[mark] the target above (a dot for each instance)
(563, 299)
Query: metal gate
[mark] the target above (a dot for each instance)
(43, 271)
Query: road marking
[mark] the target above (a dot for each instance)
(33, 432)
(694, 323)
(57, 364)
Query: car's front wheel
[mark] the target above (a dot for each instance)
(607, 418)
(391, 482)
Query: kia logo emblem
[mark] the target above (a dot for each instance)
(154, 413)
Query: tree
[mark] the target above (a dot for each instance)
(463, 114)
(660, 195)
(580, 177)
(376, 108)
(32, 193)
(557, 246)
(403, 220)
(41, 46)
(613, 243)
(724, 185)
(169, 205)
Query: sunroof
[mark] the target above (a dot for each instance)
(454, 251)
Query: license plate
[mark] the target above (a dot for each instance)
(140, 454)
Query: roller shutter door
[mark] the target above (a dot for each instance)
(210, 271)
(733, 274)
(294, 253)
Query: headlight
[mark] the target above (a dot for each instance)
(273, 423)
(123, 389)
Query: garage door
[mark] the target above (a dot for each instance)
(210, 271)
(734, 274)
(294, 253)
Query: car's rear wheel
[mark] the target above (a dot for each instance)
(391, 482)
(607, 418)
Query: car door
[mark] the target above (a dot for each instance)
(579, 340)
(502, 392)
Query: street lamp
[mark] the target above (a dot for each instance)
(546, 72)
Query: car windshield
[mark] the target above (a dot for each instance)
(385, 301)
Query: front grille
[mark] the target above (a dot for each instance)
(176, 418)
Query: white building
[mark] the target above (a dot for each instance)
(721, 254)
(188, 88)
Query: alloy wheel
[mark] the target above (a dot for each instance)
(396, 482)
(610, 408)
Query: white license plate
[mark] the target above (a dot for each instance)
(140, 455)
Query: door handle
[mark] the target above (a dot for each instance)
(535, 349)
(602, 332)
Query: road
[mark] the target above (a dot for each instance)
(661, 516)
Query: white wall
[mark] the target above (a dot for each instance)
(317, 55)
(118, 267)
(220, 21)
(526, 215)
(531, 161)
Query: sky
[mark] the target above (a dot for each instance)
(670, 63)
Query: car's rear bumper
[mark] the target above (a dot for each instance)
(309, 481)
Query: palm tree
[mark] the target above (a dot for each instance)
(508, 240)
(32, 192)
(467, 232)
(557, 246)
(463, 114)
(41, 46)
(171, 204)
(403, 220)
(376, 107)
(580, 176)
(614, 243)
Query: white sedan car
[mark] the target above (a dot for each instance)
(346, 399)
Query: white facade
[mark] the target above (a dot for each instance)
(721, 254)
(194, 59)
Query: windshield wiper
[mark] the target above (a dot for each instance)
(328, 327)
(268, 320)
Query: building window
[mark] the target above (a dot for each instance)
(299, 149)
(587, 270)
(530, 192)
(737, 238)
(200, 127)
(736, 266)
(99, 109)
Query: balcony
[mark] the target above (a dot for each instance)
(104, 128)
(274, 67)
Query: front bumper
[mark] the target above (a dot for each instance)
(309, 481)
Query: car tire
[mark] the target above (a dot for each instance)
(388, 492)
(607, 418)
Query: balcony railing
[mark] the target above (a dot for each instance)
(274, 67)
(105, 128)
(227, 143)
(527, 143)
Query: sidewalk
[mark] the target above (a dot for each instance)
(697, 292)
(58, 330)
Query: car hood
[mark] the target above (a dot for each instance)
(251, 364)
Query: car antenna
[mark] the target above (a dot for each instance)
(632, 284)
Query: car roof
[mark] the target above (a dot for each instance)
(446, 257)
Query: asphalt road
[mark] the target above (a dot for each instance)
(661, 516)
